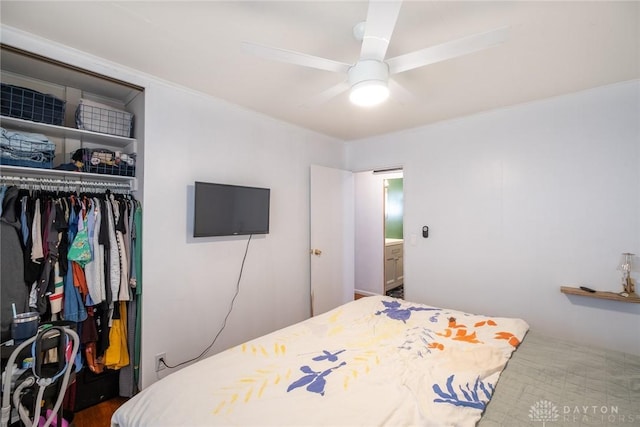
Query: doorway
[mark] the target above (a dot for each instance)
(379, 242)
(393, 236)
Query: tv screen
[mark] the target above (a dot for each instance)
(227, 210)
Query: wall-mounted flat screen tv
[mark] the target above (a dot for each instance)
(228, 210)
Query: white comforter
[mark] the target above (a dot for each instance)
(374, 361)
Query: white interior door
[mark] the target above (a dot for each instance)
(369, 233)
(331, 237)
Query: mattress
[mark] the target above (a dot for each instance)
(566, 384)
(374, 361)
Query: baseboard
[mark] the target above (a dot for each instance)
(365, 293)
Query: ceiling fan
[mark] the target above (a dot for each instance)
(368, 79)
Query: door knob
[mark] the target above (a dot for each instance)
(317, 252)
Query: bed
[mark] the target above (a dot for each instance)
(566, 383)
(378, 361)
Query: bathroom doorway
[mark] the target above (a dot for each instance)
(393, 236)
(379, 241)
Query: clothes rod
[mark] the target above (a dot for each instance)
(65, 182)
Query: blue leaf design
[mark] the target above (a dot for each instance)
(475, 390)
(315, 381)
(403, 315)
(466, 395)
(331, 357)
(461, 403)
(486, 392)
(470, 398)
(391, 304)
(452, 393)
(307, 370)
(439, 391)
(301, 382)
(418, 339)
(393, 310)
(317, 386)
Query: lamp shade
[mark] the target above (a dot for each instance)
(369, 93)
(368, 80)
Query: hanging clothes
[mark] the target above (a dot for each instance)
(94, 269)
(114, 255)
(46, 283)
(123, 263)
(74, 309)
(81, 254)
(55, 299)
(130, 375)
(14, 290)
(117, 355)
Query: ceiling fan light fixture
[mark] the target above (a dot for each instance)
(368, 80)
(369, 93)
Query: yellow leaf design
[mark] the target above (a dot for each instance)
(219, 407)
(264, 384)
(335, 316)
(336, 330)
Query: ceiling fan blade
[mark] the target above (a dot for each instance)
(447, 50)
(401, 94)
(297, 58)
(326, 95)
(381, 20)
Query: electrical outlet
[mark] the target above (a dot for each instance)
(159, 365)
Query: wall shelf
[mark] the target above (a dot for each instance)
(632, 298)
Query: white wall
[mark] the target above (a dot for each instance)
(519, 202)
(189, 283)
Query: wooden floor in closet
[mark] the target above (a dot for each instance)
(98, 415)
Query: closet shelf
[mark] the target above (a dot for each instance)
(65, 132)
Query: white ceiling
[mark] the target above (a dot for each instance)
(553, 48)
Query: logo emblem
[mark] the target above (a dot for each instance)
(544, 410)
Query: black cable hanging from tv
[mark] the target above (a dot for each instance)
(224, 323)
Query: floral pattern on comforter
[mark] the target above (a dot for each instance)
(374, 361)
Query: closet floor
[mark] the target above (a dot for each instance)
(98, 415)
